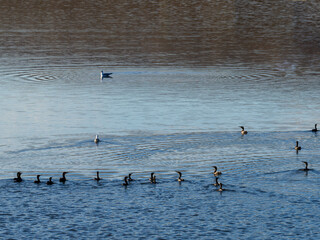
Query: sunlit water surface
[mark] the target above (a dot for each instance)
(185, 77)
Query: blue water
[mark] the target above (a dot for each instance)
(185, 77)
(147, 126)
(264, 188)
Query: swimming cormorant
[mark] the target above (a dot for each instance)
(125, 181)
(129, 177)
(38, 179)
(315, 128)
(63, 179)
(18, 178)
(306, 167)
(180, 179)
(297, 147)
(152, 178)
(243, 131)
(97, 178)
(50, 181)
(216, 173)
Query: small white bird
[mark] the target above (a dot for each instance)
(96, 140)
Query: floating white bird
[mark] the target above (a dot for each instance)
(96, 140)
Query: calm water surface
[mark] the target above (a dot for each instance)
(185, 77)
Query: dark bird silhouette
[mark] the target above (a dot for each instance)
(50, 181)
(63, 179)
(18, 178)
(297, 147)
(315, 128)
(105, 75)
(129, 177)
(125, 181)
(152, 178)
(243, 132)
(38, 179)
(180, 179)
(306, 167)
(97, 178)
(216, 173)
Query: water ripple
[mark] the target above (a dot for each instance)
(34, 76)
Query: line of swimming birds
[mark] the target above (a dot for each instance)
(128, 179)
(152, 179)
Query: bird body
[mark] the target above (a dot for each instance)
(104, 75)
(180, 175)
(152, 178)
(243, 132)
(50, 181)
(63, 179)
(125, 181)
(96, 140)
(306, 167)
(216, 173)
(18, 178)
(297, 147)
(315, 128)
(129, 177)
(38, 179)
(98, 177)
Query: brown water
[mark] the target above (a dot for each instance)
(151, 33)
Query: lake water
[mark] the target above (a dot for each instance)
(186, 75)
